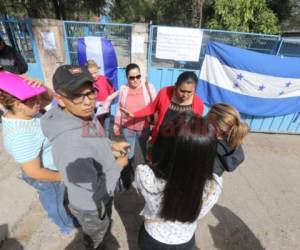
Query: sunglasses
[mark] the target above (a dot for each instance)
(131, 78)
(79, 98)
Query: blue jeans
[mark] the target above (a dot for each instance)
(51, 195)
(132, 137)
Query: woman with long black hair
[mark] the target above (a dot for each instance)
(181, 188)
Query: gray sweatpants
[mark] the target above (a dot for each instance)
(94, 224)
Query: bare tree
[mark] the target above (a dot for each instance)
(197, 10)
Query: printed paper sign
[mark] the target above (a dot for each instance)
(48, 40)
(137, 44)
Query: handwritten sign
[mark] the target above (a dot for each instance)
(180, 44)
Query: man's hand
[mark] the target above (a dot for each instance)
(122, 147)
(122, 161)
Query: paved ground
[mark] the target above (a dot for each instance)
(259, 208)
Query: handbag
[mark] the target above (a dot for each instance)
(151, 117)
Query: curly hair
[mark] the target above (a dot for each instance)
(7, 100)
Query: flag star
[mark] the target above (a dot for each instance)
(281, 93)
(239, 76)
(288, 84)
(236, 85)
(261, 87)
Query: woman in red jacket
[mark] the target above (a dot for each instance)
(169, 102)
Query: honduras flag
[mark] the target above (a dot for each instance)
(254, 83)
(102, 52)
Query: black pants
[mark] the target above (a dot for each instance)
(146, 242)
(95, 224)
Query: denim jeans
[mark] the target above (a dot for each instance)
(51, 195)
(132, 136)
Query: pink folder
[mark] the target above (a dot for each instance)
(17, 86)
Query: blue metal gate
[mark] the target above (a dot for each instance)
(163, 72)
(119, 34)
(18, 33)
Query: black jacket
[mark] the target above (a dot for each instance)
(12, 61)
(227, 159)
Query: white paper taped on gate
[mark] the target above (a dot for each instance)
(48, 40)
(137, 44)
(180, 44)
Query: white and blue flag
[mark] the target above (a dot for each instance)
(102, 52)
(254, 83)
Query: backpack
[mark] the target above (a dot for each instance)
(227, 159)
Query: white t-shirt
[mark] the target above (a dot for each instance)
(168, 232)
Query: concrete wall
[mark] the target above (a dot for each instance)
(50, 58)
(140, 30)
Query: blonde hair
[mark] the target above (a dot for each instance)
(7, 100)
(91, 64)
(228, 124)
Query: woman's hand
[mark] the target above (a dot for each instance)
(36, 83)
(47, 96)
(117, 130)
(126, 112)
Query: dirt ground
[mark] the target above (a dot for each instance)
(259, 207)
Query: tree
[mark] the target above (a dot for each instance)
(27, 8)
(197, 10)
(180, 13)
(246, 16)
(282, 8)
(60, 9)
(132, 10)
(288, 12)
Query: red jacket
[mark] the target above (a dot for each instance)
(105, 88)
(161, 104)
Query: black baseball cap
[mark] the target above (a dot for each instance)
(69, 78)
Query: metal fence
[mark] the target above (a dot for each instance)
(268, 44)
(165, 72)
(289, 47)
(119, 34)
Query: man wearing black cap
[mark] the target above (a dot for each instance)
(81, 151)
(11, 60)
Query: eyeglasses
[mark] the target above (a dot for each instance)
(131, 78)
(79, 98)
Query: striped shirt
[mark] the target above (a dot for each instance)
(25, 141)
